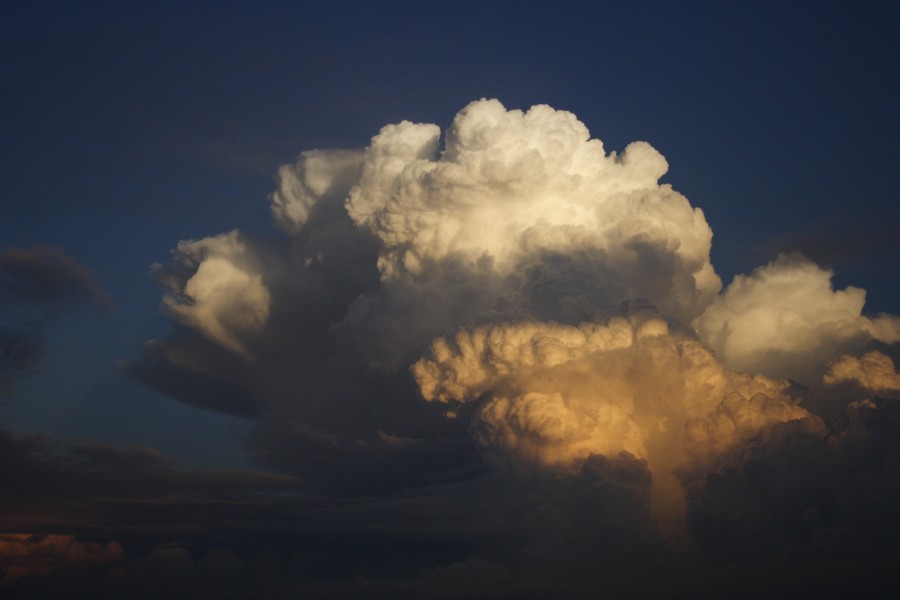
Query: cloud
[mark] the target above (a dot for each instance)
(23, 555)
(800, 495)
(192, 369)
(35, 285)
(873, 371)
(501, 350)
(224, 298)
(786, 320)
(46, 277)
(19, 352)
(319, 178)
(556, 395)
(88, 487)
(521, 211)
(497, 265)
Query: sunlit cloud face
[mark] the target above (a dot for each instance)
(520, 211)
(505, 301)
(785, 319)
(224, 299)
(553, 395)
(873, 372)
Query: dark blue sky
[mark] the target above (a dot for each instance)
(126, 128)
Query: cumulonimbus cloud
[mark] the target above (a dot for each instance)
(506, 286)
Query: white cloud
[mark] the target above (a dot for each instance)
(318, 176)
(224, 298)
(510, 184)
(785, 319)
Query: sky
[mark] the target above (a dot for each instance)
(474, 300)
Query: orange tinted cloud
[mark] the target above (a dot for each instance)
(23, 554)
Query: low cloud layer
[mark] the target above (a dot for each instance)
(503, 353)
(23, 555)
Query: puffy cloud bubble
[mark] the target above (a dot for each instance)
(532, 213)
(873, 371)
(224, 298)
(553, 395)
(505, 175)
(785, 319)
(737, 418)
(595, 388)
(318, 177)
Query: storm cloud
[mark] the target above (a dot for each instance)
(499, 353)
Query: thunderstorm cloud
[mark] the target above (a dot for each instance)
(507, 348)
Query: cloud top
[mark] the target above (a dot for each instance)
(511, 186)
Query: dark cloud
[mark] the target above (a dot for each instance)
(19, 353)
(35, 285)
(212, 384)
(86, 486)
(23, 555)
(777, 518)
(236, 531)
(48, 278)
(804, 502)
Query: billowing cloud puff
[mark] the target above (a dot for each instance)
(873, 371)
(510, 181)
(319, 176)
(738, 418)
(786, 320)
(521, 211)
(224, 298)
(554, 395)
